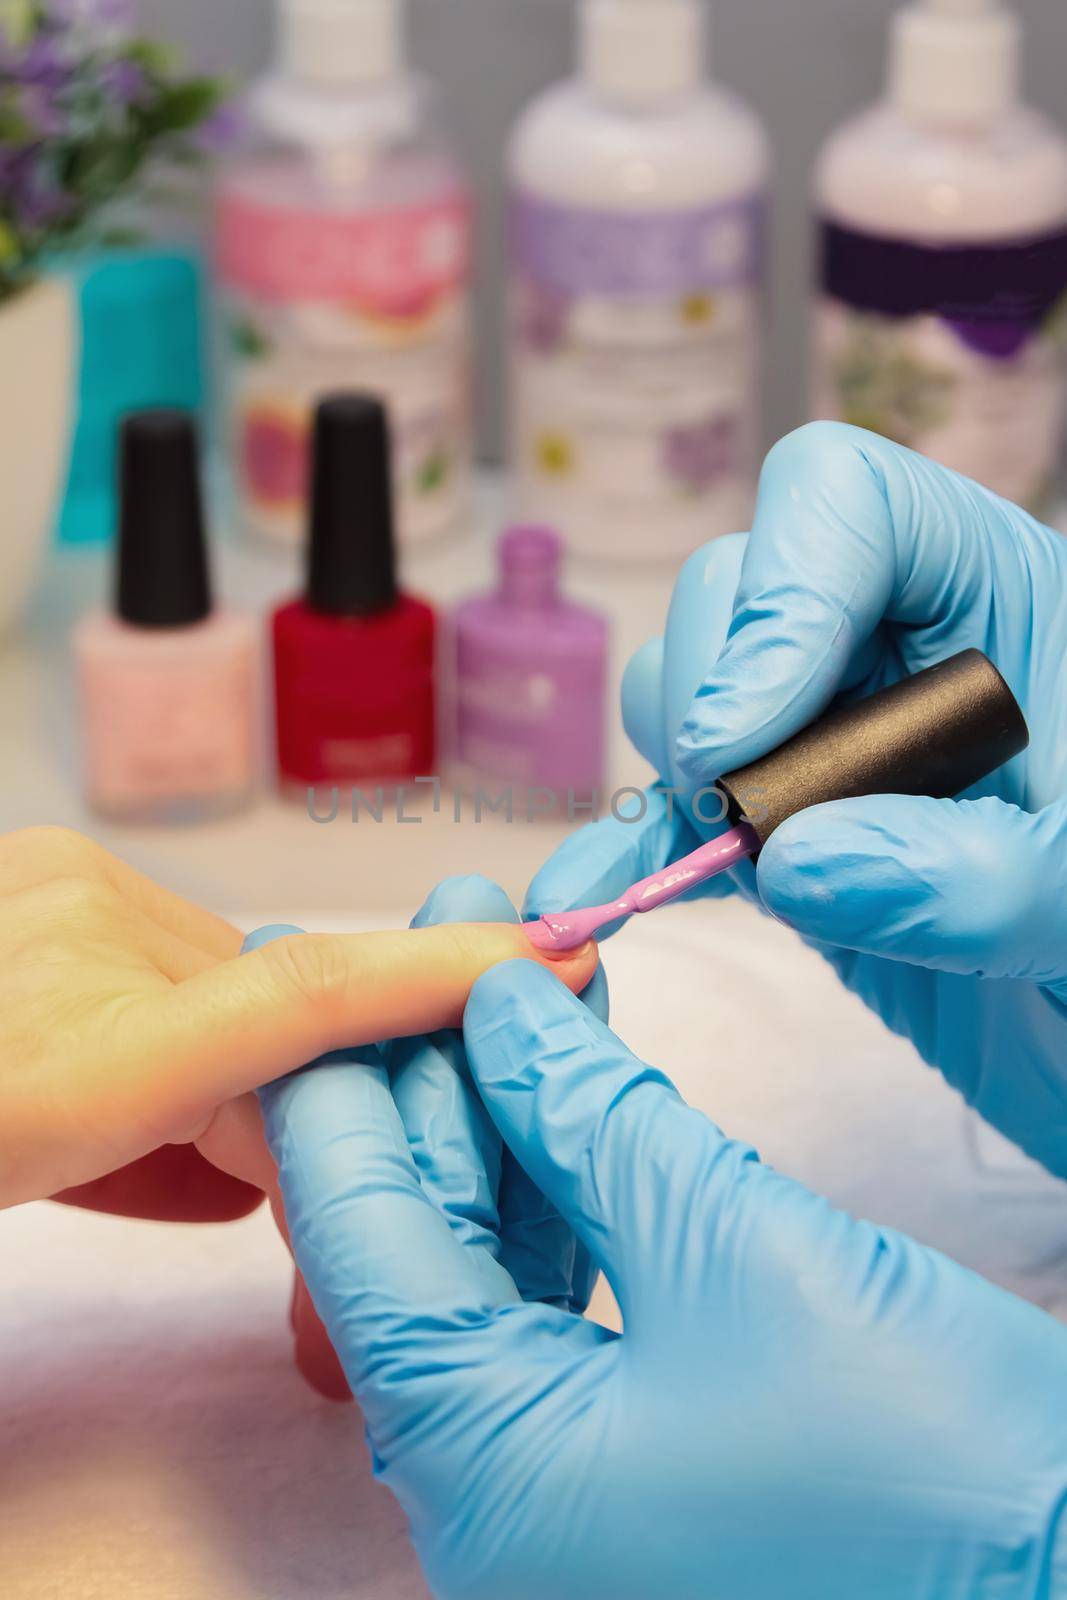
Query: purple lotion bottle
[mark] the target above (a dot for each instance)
(531, 677)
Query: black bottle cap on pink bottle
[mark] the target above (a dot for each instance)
(163, 577)
(352, 546)
(936, 733)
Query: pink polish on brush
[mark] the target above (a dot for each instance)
(936, 733)
(567, 930)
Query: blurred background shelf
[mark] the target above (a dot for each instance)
(274, 854)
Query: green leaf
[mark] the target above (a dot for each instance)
(247, 340)
(18, 21)
(121, 238)
(433, 473)
(182, 106)
(154, 55)
(98, 169)
(14, 128)
(10, 250)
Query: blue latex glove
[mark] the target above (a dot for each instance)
(865, 563)
(801, 1405)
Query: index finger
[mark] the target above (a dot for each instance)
(245, 1022)
(852, 533)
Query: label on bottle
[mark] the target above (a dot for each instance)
(957, 351)
(164, 733)
(522, 724)
(635, 364)
(315, 301)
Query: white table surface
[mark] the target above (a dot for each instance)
(155, 1441)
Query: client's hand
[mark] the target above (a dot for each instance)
(128, 1021)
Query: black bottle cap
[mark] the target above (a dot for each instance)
(163, 577)
(352, 548)
(934, 734)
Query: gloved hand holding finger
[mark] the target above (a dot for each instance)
(470, 1176)
(510, 1231)
(799, 1403)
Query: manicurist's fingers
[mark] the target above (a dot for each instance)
(599, 863)
(963, 886)
(852, 532)
(454, 1144)
(386, 1267)
(603, 1135)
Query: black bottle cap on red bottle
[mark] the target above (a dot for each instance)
(935, 734)
(163, 579)
(352, 547)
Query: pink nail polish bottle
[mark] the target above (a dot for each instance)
(168, 685)
(531, 677)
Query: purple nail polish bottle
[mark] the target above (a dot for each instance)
(531, 677)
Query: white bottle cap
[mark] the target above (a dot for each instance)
(955, 61)
(341, 41)
(636, 52)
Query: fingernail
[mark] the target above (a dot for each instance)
(578, 954)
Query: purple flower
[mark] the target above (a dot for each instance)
(36, 199)
(224, 128)
(701, 453)
(12, 162)
(43, 63)
(69, 73)
(43, 117)
(16, 166)
(29, 192)
(123, 82)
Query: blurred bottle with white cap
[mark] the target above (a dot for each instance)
(943, 262)
(636, 233)
(343, 259)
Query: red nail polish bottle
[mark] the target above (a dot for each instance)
(353, 659)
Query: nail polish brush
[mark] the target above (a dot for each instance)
(935, 733)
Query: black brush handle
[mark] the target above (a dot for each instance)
(936, 733)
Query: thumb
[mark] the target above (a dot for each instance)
(246, 1022)
(606, 1137)
(642, 706)
(973, 887)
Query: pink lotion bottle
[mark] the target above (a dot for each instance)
(531, 677)
(343, 262)
(168, 685)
